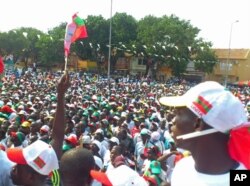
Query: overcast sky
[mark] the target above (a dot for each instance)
(213, 17)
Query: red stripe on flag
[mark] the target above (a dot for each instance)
(1, 65)
(80, 33)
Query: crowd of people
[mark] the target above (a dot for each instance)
(79, 129)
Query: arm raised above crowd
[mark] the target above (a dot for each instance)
(59, 122)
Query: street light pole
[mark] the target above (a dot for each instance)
(229, 52)
(110, 32)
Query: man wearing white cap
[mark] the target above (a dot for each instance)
(33, 163)
(209, 123)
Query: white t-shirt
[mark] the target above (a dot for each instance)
(5, 168)
(139, 148)
(125, 176)
(98, 162)
(185, 174)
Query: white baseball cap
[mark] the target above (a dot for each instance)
(155, 136)
(98, 144)
(211, 102)
(45, 128)
(114, 140)
(86, 139)
(38, 155)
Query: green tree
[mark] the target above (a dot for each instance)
(124, 33)
(205, 59)
(98, 32)
(51, 47)
(169, 39)
(21, 43)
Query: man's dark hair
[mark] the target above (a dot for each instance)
(75, 166)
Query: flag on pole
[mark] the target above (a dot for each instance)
(74, 31)
(1, 65)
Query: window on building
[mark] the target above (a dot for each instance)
(140, 61)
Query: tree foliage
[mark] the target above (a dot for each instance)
(167, 40)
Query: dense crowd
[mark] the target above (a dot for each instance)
(119, 125)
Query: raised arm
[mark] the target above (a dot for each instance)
(59, 121)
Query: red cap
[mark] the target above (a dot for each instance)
(72, 138)
(16, 155)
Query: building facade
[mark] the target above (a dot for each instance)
(233, 66)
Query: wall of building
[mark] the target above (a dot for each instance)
(238, 66)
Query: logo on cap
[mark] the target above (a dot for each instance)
(39, 162)
(203, 105)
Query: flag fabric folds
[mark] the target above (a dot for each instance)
(1, 65)
(239, 145)
(74, 31)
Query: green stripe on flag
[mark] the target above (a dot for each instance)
(79, 21)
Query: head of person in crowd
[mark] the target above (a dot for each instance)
(75, 167)
(11, 128)
(25, 127)
(153, 153)
(145, 135)
(104, 123)
(86, 142)
(154, 126)
(21, 112)
(69, 126)
(17, 138)
(2, 134)
(99, 135)
(34, 163)
(5, 125)
(79, 129)
(96, 147)
(211, 119)
(44, 130)
(113, 141)
(122, 134)
(115, 152)
(124, 126)
(162, 112)
(70, 142)
(137, 121)
(163, 124)
(113, 121)
(142, 126)
(7, 109)
(155, 137)
(90, 110)
(35, 127)
(42, 116)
